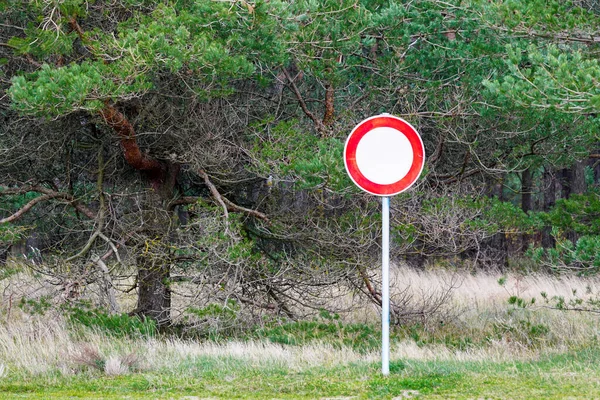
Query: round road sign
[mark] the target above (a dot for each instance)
(384, 155)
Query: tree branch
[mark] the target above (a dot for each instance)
(328, 117)
(369, 285)
(318, 124)
(47, 195)
(588, 39)
(134, 156)
(77, 28)
(227, 204)
(215, 193)
(71, 199)
(113, 247)
(235, 208)
(439, 149)
(108, 285)
(182, 201)
(30, 205)
(84, 40)
(462, 175)
(101, 211)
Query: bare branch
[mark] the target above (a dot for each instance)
(318, 124)
(227, 204)
(182, 201)
(328, 117)
(50, 194)
(108, 285)
(215, 193)
(101, 211)
(234, 207)
(85, 248)
(369, 285)
(113, 247)
(30, 205)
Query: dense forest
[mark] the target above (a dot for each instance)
(190, 152)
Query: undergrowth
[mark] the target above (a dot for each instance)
(84, 314)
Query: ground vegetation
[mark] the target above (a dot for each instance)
(189, 152)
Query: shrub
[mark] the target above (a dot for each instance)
(113, 365)
(360, 337)
(118, 325)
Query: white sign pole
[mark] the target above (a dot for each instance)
(385, 285)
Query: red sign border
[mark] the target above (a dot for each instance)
(384, 121)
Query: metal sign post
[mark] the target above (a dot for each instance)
(384, 155)
(385, 285)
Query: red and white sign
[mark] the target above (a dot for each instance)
(384, 155)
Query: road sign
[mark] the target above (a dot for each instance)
(384, 155)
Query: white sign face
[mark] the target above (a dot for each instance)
(384, 155)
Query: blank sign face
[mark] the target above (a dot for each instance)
(384, 155)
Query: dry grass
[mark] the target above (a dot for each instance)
(35, 345)
(482, 292)
(478, 309)
(48, 347)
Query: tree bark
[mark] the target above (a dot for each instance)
(154, 295)
(594, 163)
(550, 189)
(526, 202)
(496, 247)
(132, 152)
(565, 178)
(578, 185)
(328, 116)
(573, 182)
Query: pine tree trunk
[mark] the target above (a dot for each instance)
(565, 178)
(526, 202)
(154, 295)
(497, 245)
(154, 265)
(573, 182)
(594, 164)
(550, 189)
(578, 185)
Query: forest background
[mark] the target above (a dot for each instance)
(187, 155)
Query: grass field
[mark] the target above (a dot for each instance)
(480, 345)
(572, 375)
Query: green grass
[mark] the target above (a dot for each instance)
(359, 337)
(72, 354)
(572, 375)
